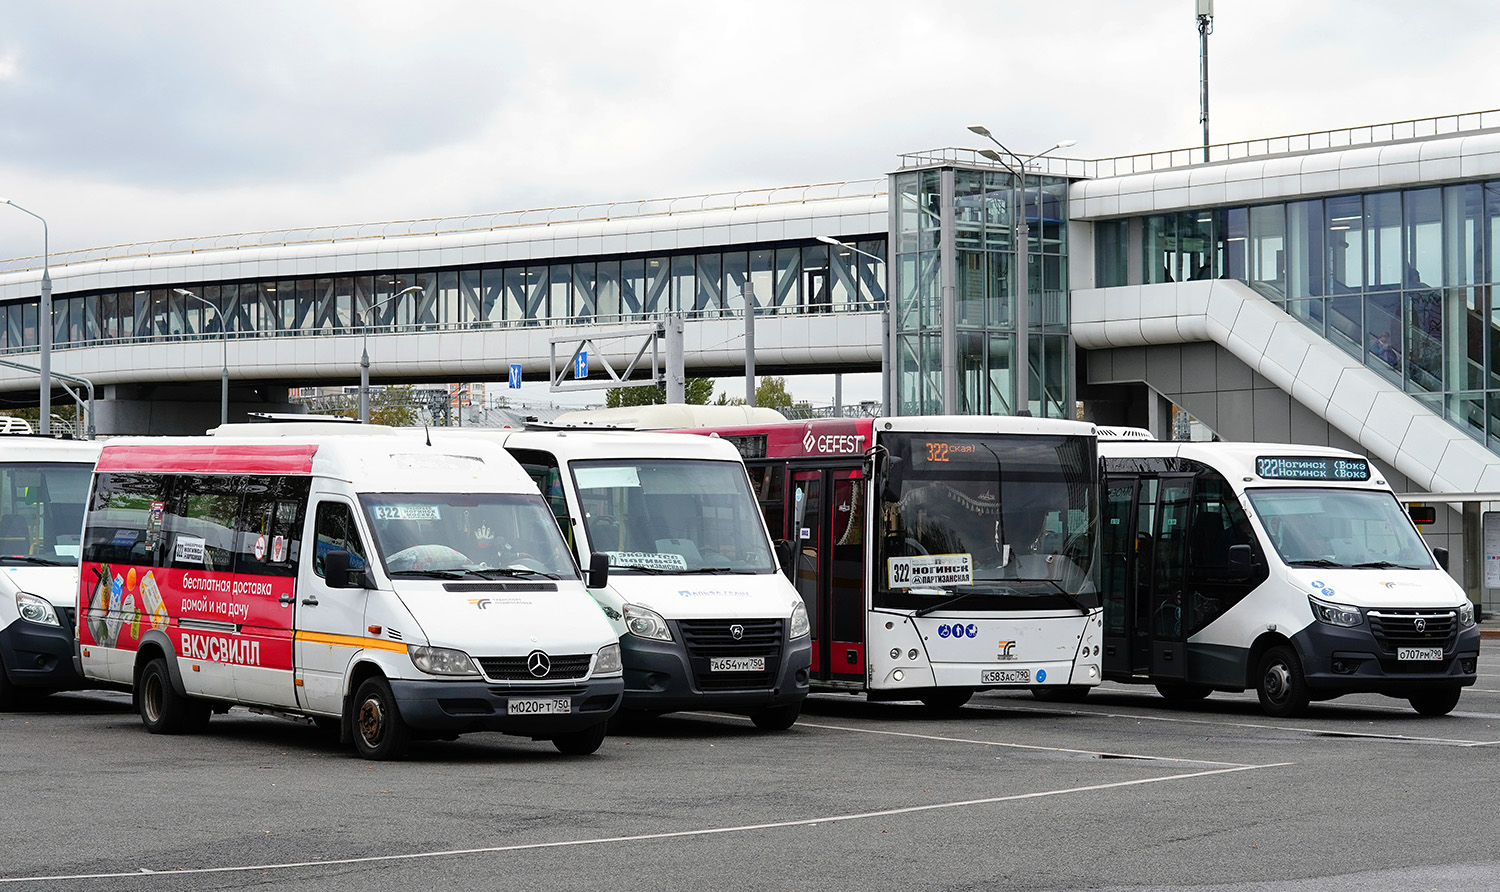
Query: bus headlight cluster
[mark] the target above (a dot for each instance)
(1466, 615)
(441, 660)
(643, 622)
(799, 626)
(39, 610)
(607, 662)
(1335, 614)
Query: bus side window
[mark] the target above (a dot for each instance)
(268, 536)
(198, 532)
(768, 482)
(546, 473)
(335, 529)
(1218, 523)
(119, 519)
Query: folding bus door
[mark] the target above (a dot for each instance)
(826, 525)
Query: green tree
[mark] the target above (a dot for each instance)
(392, 404)
(695, 392)
(770, 393)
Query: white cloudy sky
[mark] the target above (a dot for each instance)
(132, 121)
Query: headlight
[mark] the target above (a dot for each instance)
(37, 610)
(441, 661)
(1466, 615)
(1335, 614)
(799, 625)
(643, 622)
(608, 660)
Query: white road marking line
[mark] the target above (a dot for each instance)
(141, 872)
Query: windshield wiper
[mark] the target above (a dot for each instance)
(1315, 562)
(1071, 598)
(432, 574)
(969, 591)
(961, 596)
(1385, 565)
(28, 559)
(642, 568)
(512, 571)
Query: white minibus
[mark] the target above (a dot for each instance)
(706, 618)
(43, 485)
(372, 583)
(1289, 570)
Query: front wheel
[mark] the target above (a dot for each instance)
(776, 718)
(946, 699)
(581, 743)
(163, 710)
(1282, 687)
(1435, 702)
(379, 731)
(1068, 693)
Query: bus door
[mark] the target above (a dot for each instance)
(826, 525)
(1145, 539)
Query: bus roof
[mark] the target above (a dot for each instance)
(369, 463)
(667, 417)
(1259, 464)
(574, 444)
(47, 449)
(828, 437)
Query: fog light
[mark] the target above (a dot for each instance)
(1470, 664)
(1346, 667)
(898, 675)
(1093, 672)
(911, 654)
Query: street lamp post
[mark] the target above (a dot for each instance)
(44, 327)
(364, 356)
(1021, 358)
(224, 337)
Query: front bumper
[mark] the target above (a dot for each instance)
(38, 656)
(1337, 660)
(457, 707)
(661, 676)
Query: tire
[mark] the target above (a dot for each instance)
(163, 710)
(1280, 685)
(1068, 693)
(1440, 702)
(581, 743)
(379, 731)
(946, 699)
(1183, 693)
(776, 718)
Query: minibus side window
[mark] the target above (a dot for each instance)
(546, 473)
(1218, 522)
(198, 530)
(120, 519)
(768, 482)
(335, 530)
(268, 538)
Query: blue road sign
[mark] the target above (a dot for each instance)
(581, 365)
(515, 376)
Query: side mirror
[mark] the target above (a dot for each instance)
(1441, 554)
(337, 573)
(598, 576)
(1239, 560)
(784, 553)
(890, 491)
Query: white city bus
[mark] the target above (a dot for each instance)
(1290, 570)
(706, 619)
(937, 556)
(43, 485)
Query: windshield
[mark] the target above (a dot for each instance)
(451, 535)
(672, 516)
(1009, 519)
(41, 511)
(1339, 528)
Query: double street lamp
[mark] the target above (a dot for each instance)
(44, 328)
(364, 357)
(1021, 358)
(224, 337)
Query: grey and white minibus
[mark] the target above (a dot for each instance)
(1289, 570)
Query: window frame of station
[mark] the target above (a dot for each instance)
(789, 277)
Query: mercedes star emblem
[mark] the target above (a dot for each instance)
(538, 664)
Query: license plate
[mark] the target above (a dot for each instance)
(1419, 653)
(1005, 676)
(541, 706)
(737, 664)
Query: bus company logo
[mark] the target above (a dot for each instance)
(958, 630)
(1007, 651)
(481, 603)
(831, 444)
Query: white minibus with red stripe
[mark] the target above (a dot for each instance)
(372, 583)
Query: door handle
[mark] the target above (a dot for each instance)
(286, 600)
(310, 601)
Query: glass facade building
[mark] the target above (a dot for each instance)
(1404, 280)
(954, 232)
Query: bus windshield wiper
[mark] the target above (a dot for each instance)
(1385, 565)
(1315, 562)
(431, 574)
(1070, 597)
(961, 596)
(513, 571)
(28, 559)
